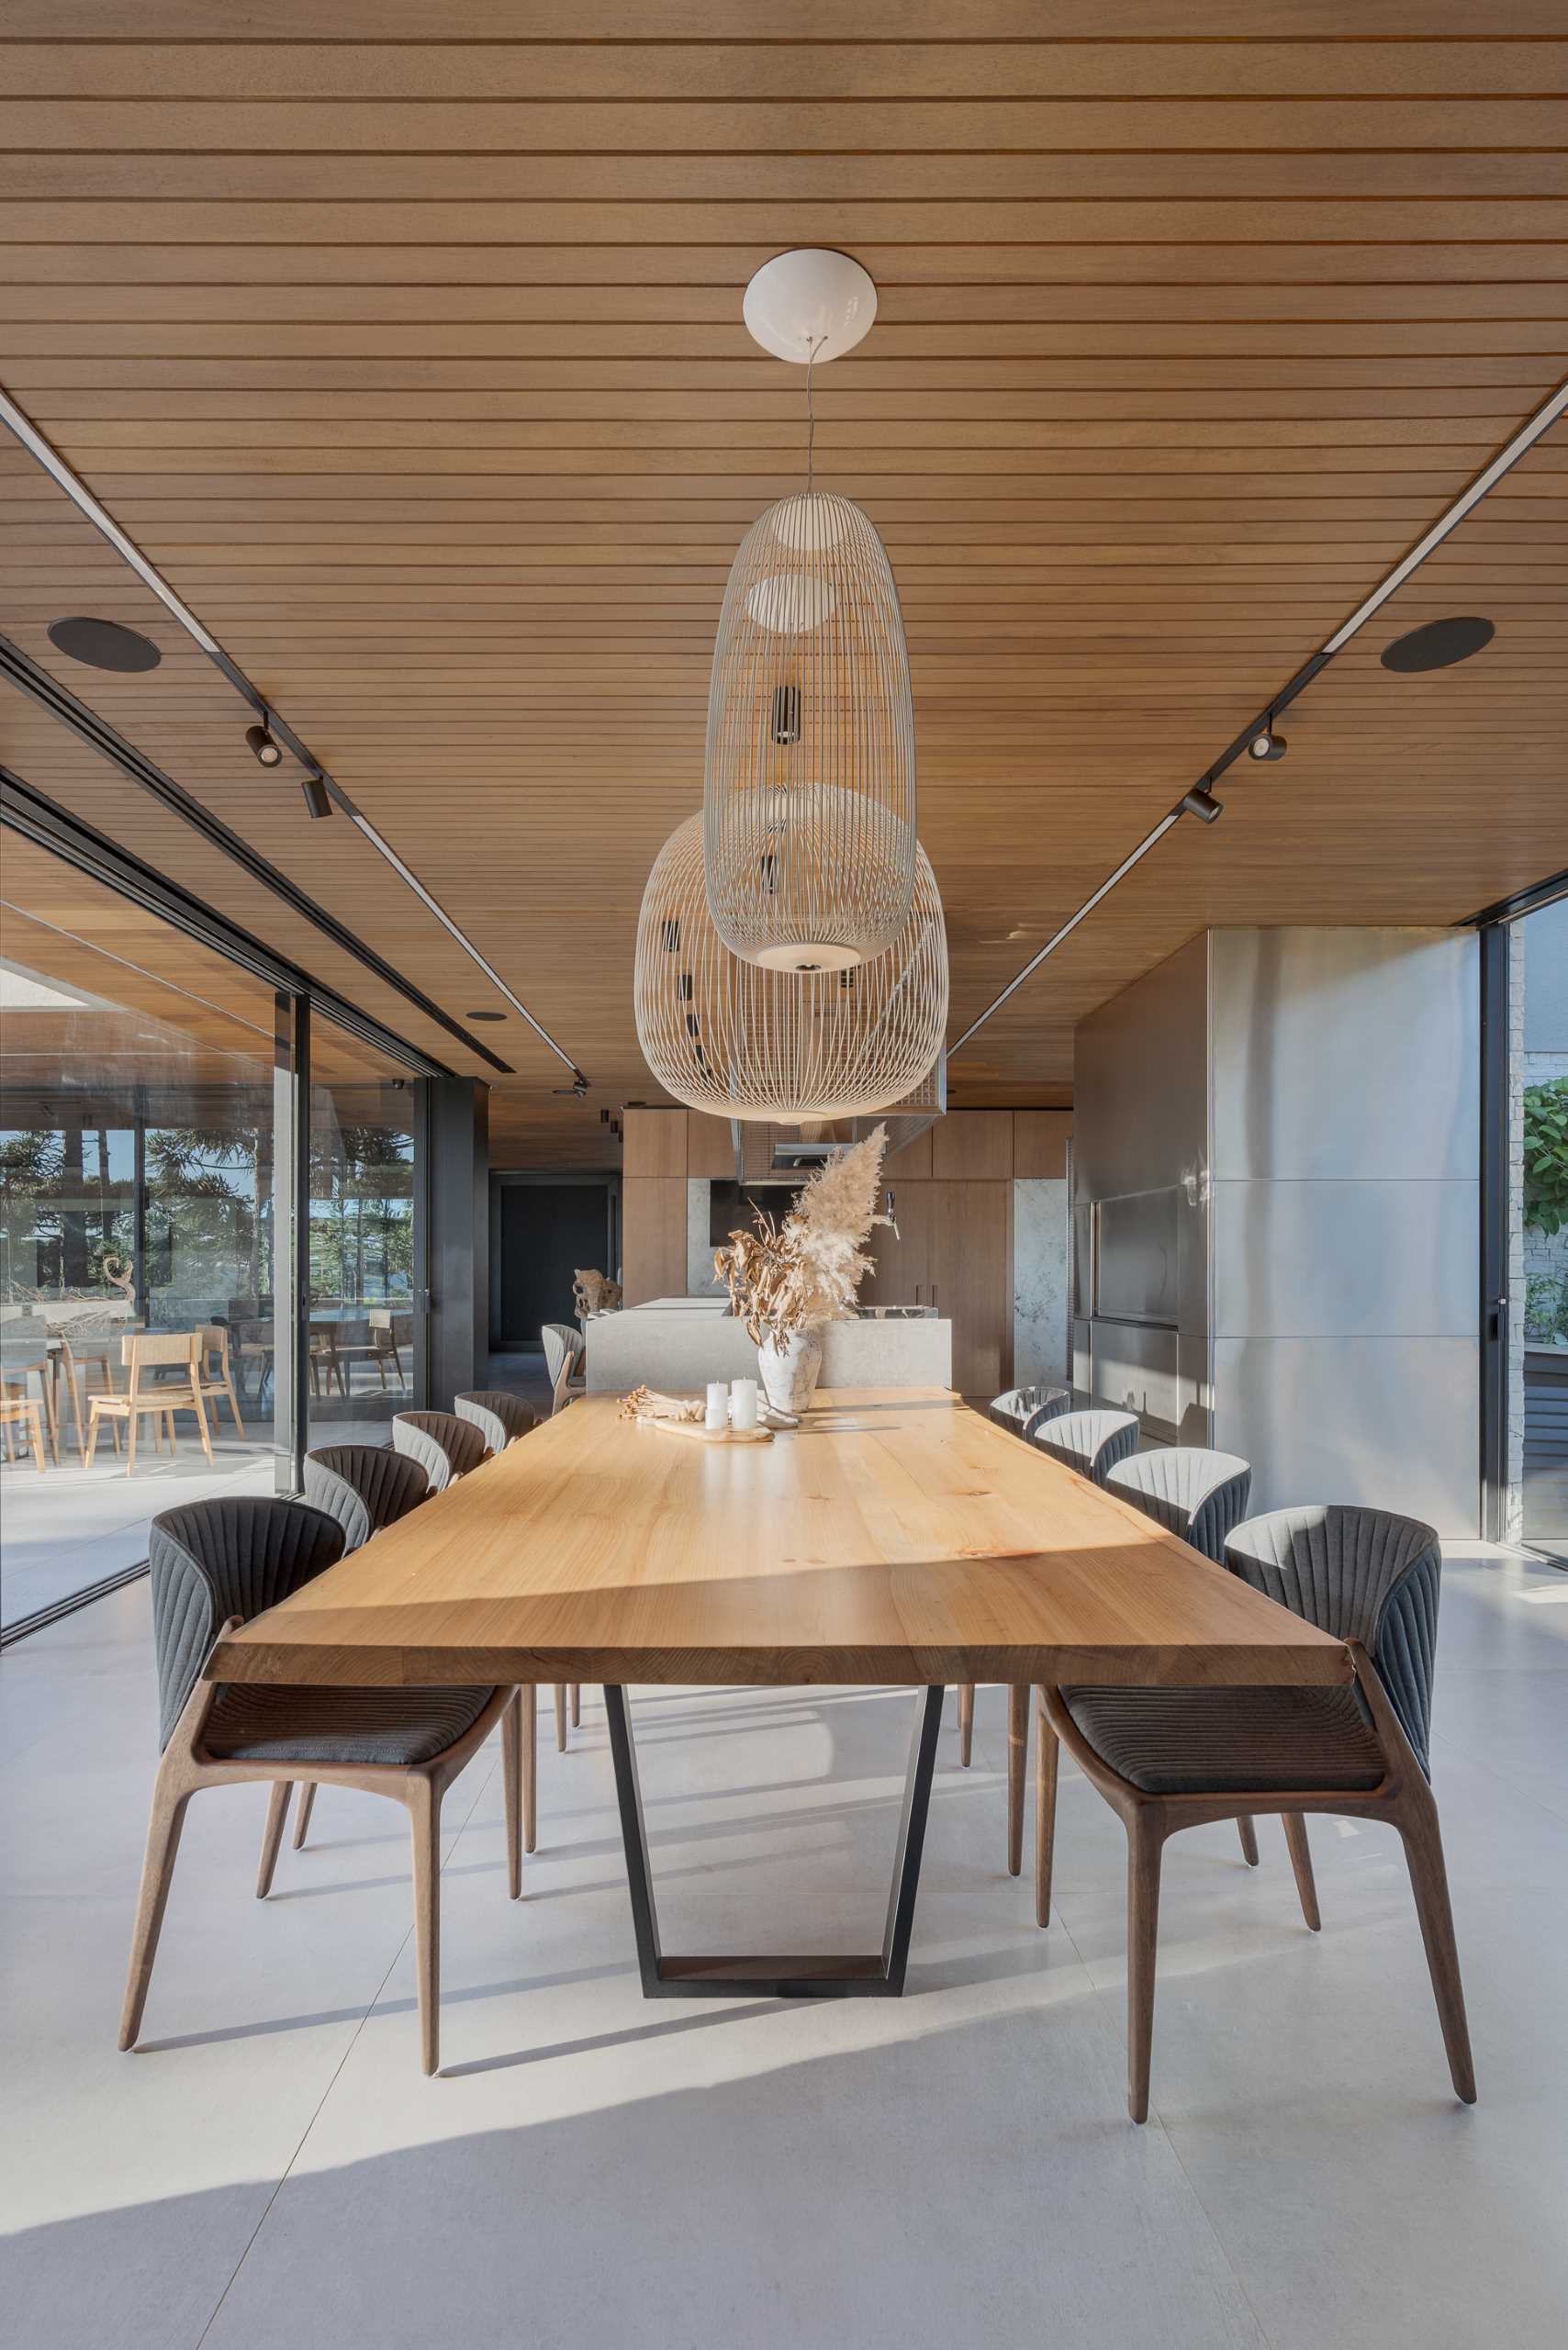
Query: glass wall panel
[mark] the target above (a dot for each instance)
(137, 1244)
(366, 1346)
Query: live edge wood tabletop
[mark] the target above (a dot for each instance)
(896, 1537)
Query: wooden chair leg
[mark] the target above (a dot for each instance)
(423, 1800)
(277, 1813)
(511, 1775)
(199, 1409)
(1017, 1762)
(76, 1415)
(171, 1795)
(1048, 1756)
(234, 1406)
(36, 1426)
(1145, 1840)
(560, 1718)
(966, 1721)
(576, 1704)
(303, 1810)
(528, 1699)
(1418, 1825)
(132, 1421)
(1301, 1861)
(1248, 1834)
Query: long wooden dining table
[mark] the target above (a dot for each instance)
(895, 1537)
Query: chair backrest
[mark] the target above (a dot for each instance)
(445, 1447)
(215, 1341)
(1090, 1442)
(1023, 1409)
(213, 1560)
(148, 1350)
(1362, 1575)
(563, 1351)
(1198, 1494)
(364, 1487)
(500, 1416)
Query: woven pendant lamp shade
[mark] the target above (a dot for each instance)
(743, 1041)
(808, 799)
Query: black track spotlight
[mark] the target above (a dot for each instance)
(318, 798)
(1267, 744)
(264, 748)
(1202, 803)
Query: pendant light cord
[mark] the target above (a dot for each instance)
(811, 352)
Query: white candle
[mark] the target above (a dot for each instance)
(717, 1415)
(743, 1404)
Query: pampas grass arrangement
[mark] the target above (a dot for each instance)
(791, 1275)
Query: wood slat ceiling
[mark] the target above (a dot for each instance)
(418, 367)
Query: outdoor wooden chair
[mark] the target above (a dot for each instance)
(153, 1350)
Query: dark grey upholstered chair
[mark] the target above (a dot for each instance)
(1090, 1442)
(500, 1417)
(1023, 1409)
(214, 1565)
(445, 1447)
(364, 1487)
(1168, 1759)
(1199, 1495)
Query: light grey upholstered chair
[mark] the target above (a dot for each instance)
(1199, 1495)
(1023, 1409)
(445, 1447)
(1169, 1759)
(501, 1416)
(214, 1565)
(564, 1350)
(1090, 1442)
(501, 1419)
(364, 1487)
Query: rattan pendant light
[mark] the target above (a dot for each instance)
(744, 1040)
(809, 794)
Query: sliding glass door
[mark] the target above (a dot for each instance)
(173, 1325)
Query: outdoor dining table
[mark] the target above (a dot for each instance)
(895, 1537)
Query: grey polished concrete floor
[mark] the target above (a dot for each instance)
(271, 2169)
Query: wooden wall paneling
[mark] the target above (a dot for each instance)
(972, 1264)
(912, 1163)
(1040, 1144)
(655, 1144)
(710, 1148)
(653, 1236)
(903, 1258)
(973, 1145)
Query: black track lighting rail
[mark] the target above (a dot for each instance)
(322, 792)
(1199, 800)
(61, 704)
(31, 812)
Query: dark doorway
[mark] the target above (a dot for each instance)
(547, 1231)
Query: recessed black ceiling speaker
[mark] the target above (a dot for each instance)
(1439, 644)
(487, 1015)
(104, 645)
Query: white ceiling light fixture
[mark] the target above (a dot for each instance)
(743, 1040)
(809, 797)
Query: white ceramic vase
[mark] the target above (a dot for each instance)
(790, 1373)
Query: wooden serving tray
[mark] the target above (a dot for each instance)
(695, 1430)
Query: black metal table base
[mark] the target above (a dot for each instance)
(873, 1975)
